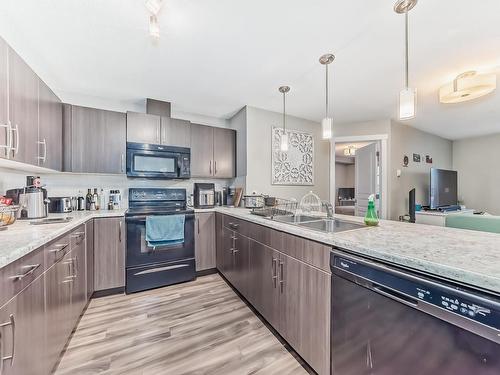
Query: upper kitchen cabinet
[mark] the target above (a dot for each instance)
(50, 136)
(23, 105)
(175, 132)
(212, 152)
(224, 153)
(143, 128)
(94, 140)
(4, 99)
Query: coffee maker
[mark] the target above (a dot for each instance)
(32, 199)
(204, 195)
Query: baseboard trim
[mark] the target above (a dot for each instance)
(108, 292)
(206, 272)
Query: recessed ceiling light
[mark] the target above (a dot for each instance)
(467, 86)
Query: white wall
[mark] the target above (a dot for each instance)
(476, 160)
(259, 128)
(406, 140)
(344, 175)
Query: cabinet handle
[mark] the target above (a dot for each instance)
(210, 167)
(234, 226)
(60, 247)
(122, 164)
(8, 138)
(198, 224)
(234, 250)
(44, 157)
(215, 167)
(282, 281)
(15, 129)
(12, 323)
(75, 267)
(30, 270)
(274, 271)
(120, 231)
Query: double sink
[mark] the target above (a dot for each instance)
(327, 225)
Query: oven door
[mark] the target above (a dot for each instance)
(152, 164)
(139, 253)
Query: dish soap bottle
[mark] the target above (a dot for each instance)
(371, 217)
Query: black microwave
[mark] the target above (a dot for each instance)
(158, 161)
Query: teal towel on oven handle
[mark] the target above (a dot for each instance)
(165, 230)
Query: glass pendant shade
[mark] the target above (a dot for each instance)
(326, 128)
(407, 103)
(154, 28)
(284, 142)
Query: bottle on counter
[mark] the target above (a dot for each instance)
(102, 200)
(88, 199)
(95, 197)
(371, 217)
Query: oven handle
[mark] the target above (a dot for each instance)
(140, 219)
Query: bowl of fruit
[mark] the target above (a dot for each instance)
(8, 212)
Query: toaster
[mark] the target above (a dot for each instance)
(59, 205)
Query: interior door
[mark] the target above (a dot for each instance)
(365, 170)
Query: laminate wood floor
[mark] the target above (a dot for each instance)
(201, 327)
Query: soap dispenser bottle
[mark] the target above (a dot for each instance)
(371, 217)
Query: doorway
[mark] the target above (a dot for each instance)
(360, 171)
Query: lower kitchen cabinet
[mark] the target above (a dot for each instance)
(205, 240)
(109, 253)
(219, 241)
(78, 272)
(22, 323)
(292, 295)
(89, 238)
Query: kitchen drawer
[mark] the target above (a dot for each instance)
(19, 274)
(77, 236)
(267, 236)
(310, 252)
(55, 250)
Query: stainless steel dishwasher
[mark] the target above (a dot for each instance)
(389, 321)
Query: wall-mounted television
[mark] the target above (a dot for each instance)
(443, 190)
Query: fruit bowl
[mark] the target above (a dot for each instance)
(8, 215)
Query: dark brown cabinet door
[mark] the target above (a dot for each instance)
(143, 128)
(23, 332)
(50, 138)
(226, 265)
(219, 241)
(202, 151)
(263, 281)
(205, 241)
(97, 142)
(4, 100)
(175, 132)
(89, 238)
(305, 311)
(241, 264)
(224, 153)
(109, 253)
(23, 104)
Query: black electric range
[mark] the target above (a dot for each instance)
(150, 267)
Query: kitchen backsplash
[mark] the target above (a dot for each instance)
(70, 184)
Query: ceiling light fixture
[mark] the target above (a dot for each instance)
(350, 151)
(327, 122)
(467, 86)
(284, 137)
(154, 7)
(407, 96)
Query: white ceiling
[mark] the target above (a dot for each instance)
(215, 56)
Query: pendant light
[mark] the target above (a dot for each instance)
(327, 122)
(284, 137)
(407, 96)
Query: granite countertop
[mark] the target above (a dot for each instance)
(468, 257)
(21, 237)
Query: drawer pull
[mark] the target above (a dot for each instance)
(234, 226)
(12, 323)
(59, 248)
(282, 281)
(30, 269)
(274, 271)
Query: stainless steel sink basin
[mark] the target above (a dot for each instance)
(331, 225)
(295, 219)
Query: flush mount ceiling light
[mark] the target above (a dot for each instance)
(327, 122)
(154, 7)
(284, 137)
(350, 151)
(407, 96)
(467, 86)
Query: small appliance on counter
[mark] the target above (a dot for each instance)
(204, 195)
(115, 200)
(32, 199)
(254, 201)
(60, 205)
